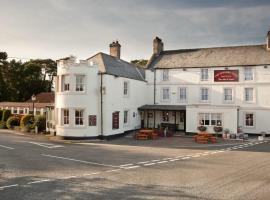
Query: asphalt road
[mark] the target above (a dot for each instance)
(32, 168)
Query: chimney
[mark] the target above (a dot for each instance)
(268, 41)
(115, 49)
(157, 46)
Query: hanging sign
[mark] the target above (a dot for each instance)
(226, 75)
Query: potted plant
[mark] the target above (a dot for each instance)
(226, 133)
(217, 129)
(202, 128)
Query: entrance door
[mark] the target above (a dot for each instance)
(150, 119)
(181, 116)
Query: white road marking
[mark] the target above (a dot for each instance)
(6, 147)
(185, 158)
(132, 167)
(143, 162)
(113, 170)
(69, 177)
(155, 160)
(126, 165)
(46, 145)
(148, 164)
(164, 161)
(81, 161)
(40, 181)
(9, 186)
(195, 156)
(167, 158)
(172, 160)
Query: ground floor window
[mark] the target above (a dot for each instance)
(126, 117)
(65, 116)
(79, 117)
(165, 116)
(21, 111)
(249, 119)
(210, 119)
(15, 111)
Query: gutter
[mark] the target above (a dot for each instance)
(101, 106)
(154, 86)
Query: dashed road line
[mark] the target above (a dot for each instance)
(8, 186)
(6, 147)
(40, 181)
(149, 164)
(132, 167)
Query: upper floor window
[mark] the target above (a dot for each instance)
(204, 75)
(182, 94)
(79, 117)
(126, 88)
(165, 94)
(165, 75)
(80, 82)
(248, 73)
(65, 82)
(228, 94)
(249, 94)
(204, 94)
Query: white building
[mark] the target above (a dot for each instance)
(222, 86)
(98, 97)
(105, 96)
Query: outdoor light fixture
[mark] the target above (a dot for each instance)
(33, 98)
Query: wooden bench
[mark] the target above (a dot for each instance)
(202, 140)
(213, 139)
(141, 136)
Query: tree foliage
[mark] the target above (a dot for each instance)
(18, 81)
(140, 63)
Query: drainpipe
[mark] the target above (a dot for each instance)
(101, 106)
(154, 86)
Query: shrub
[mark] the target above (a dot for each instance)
(202, 128)
(1, 114)
(12, 121)
(27, 122)
(6, 114)
(218, 129)
(40, 122)
(3, 125)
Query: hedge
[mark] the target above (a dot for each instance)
(1, 114)
(6, 114)
(3, 125)
(40, 122)
(12, 121)
(27, 121)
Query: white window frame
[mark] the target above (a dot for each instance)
(126, 88)
(253, 95)
(65, 118)
(254, 119)
(65, 82)
(80, 86)
(248, 74)
(15, 109)
(165, 75)
(126, 117)
(201, 94)
(204, 76)
(179, 95)
(82, 117)
(162, 94)
(224, 95)
(210, 119)
(21, 109)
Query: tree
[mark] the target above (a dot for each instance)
(140, 63)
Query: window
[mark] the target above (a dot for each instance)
(165, 116)
(204, 75)
(210, 119)
(125, 88)
(183, 94)
(65, 83)
(248, 73)
(125, 116)
(38, 111)
(228, 94)
(79, 117)
(165, 75)
(80, 85)
(204, 94)
(21, 111)
(165, 94)
(15, 110)
(249, 119)
(249, 94)
(65, 116)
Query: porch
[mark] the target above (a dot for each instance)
(172, 117)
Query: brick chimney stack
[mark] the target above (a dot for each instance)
(268, 41)
(157, 46)
(115, 49)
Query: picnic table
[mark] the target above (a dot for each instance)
(205, 137)
(145, 134)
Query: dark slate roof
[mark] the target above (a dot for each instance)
(212, 57)
(117, 67)
(162, 107)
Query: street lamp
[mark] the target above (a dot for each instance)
(33, 98)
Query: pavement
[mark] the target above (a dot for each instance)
(170, 168)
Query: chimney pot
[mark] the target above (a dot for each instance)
(115, 49)
(157, 46)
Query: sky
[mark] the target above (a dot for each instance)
(59, 28)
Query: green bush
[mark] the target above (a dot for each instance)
(40, 122)
(6, 114)
(12, 121)
(3, 125)
(27, 122)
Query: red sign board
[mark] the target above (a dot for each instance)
(92, 120)
(115, 120)
(226, 75)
